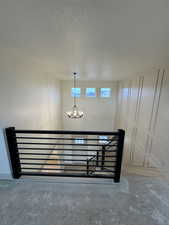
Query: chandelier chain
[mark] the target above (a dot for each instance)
(74, 77)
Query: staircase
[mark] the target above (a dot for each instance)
(99, 164)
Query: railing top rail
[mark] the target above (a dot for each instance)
(66, 132)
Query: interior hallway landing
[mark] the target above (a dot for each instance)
(63, 201)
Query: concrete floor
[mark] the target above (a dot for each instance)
(135, 201)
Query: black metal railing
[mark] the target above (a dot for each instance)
(65, 153)
(101, 156)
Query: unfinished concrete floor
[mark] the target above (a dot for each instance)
(135, 201)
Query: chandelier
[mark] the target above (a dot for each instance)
(75, 113)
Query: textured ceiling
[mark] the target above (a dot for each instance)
(100, 39)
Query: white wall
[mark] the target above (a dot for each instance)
(99, 113)
(28, 102)
(143, 111)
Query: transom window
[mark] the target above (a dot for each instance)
(91, 92)
(75, 92)
(105, 92)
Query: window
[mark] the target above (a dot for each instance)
(103, 139)
(105, 92)
(91, 92)
(79, 141)
(76, 92)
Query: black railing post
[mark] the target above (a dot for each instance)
(13, 150)
(120, 146)
(97, 158)
(87, 167)
(103, 157)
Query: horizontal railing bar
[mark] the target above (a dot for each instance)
(66, 132)
(36, 143)
(61, 164)
(50, 154)
(63, 169)
(68, 175)
(64, 149)
(71, 139)
(50, 164)
(41, 168)
(75, 160)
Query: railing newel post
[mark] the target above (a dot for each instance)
(97, 158)
(13, 151)
(120, 147)
(87, 168)
(103, 156)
